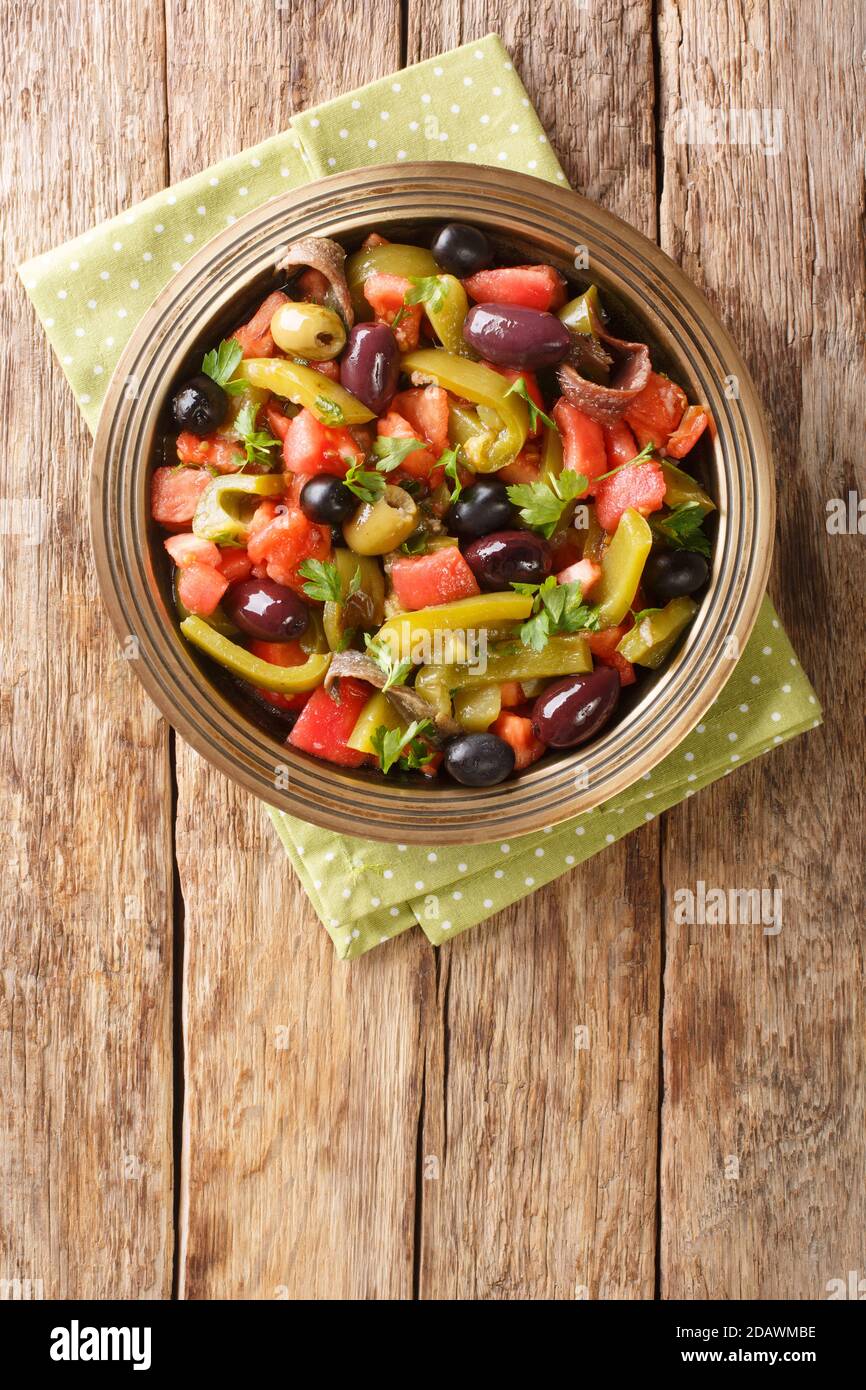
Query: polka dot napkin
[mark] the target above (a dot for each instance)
(469, 105)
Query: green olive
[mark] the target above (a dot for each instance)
(308, 330)
(381, 526)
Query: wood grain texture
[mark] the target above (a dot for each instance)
(764, 1035)
(540, 1141)
(302, 1074)
(85, 940)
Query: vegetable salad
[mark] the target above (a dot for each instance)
(431, 510)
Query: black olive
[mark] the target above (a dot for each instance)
(264, 609)
(326, 499)
(200, 405)
(460, 249)
(673, 573)
(509, 557)
(574, 709)
(483, 508)
(479, 760)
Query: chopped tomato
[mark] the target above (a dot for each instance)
(312, 286)
(583, 448)
(426, 409)
(278, 422)
(533, 286)
(385, 295)
(423, 581)
(603, 646)
(200, 588)
(511, 694)
(255, 337)
(516, 730)
(311, 447)
(327, 720)
(656, 411)
(283, 543)
(235, 564)
(421, 463)
(281, 654)
(619, 444)
(533, 390)
(187, 549)
(640, 486)
(688, 431)
(174, 494)
(221, 454)
(329, 369)
(583, 572)
(526, 468)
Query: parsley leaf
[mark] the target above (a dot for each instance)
(220, 364)
(395, 672)
(556, 608)
(427, 289)
(369, 487)
(448, 460)
(257, 443)
(329, 412)
(519, 388)
(542, 504)
(390, 451)
(391, 744)
(682, 529)
(325, 584)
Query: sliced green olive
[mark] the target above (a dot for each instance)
(361, 611)
(378, 527)
(224, 510)
(308, 330)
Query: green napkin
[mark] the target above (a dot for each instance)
(89, 294)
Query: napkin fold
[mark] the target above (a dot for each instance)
(469, 105)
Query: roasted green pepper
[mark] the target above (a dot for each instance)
(504, 419)
(224, 509)
(474, 614)
(551, 455)
(621, 568)
(286, 680)
(432, 684)
(365, 609)
(511, 661)
(328, 400)
(650, 640)
(394, 258)
(476, 708)
(446, 314)
(680, 488)
(583, 314)
(377, 713)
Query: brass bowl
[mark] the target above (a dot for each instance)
(538, 221)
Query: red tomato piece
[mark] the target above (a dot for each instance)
(423, 581)
(281, 654)
(255, 337)
(235, 564)
(329, 369)
(385, 294)
(516, 730)
(327, 720)
(283, 543)
(526, 468)
(583, 572)
(688, 431)
(174, 494)
(583, 448)
(511, 694)
(421, 463)
(619, 444)
(277, 422)
(220, 454)
(200, 588)
(187, 549)
(656, 411)
(533, 286)
(311, 447)
(426, 409)
(641, 487)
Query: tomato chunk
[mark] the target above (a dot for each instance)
(641, 486)
(255, 337)
(385, 295)
(283, 543)
(656, 411)
(533, 286)
(327, 720)
(174, 494)
(281, 654)
(187, 549)
(526, 468)
(582, 572)
(221, 454)
(516, 730)
(426, 409)
(200, 588)
(619, 444)
(422, 581)
(511, 694)
(235, 564)
(421, 463)
(583, 448)
(311, 447)
(684, 438)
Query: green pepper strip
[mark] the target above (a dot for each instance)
(680, 487)
(447, 321)
(286, 680)
(650, 640)
(563, 656)
(583, 314)
(489, 450)
(328, 400)
(217, 515)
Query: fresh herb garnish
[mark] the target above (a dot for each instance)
(402, 746)
(427, 289)
(367, 486)
(555, 608)
(416, 544)
(391, 451)
(325, 584)
(329, 411)
(542, 504)
(646, 453)
(519, 388)
(220, 364)
(683, 528)
(395, 672)
(257, 443)
(448, 461)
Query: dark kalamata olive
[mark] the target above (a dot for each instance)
(509, 557)
(460, 249)
(575, 708)
(266, 610)
(672, 573)
(513, 336)
(326, 498)
(483, 508)
(479, 760)
(370, 365)
(199, 405)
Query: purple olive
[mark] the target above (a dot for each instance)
(513, 336)
(575, 708)
(266, 610)
(509, 557)
(370, 365)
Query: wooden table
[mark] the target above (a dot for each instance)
(196, 1097)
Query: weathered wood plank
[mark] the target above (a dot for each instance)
(763, 1141)
(539, 1140)
(85, 999)
(302, 1074)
